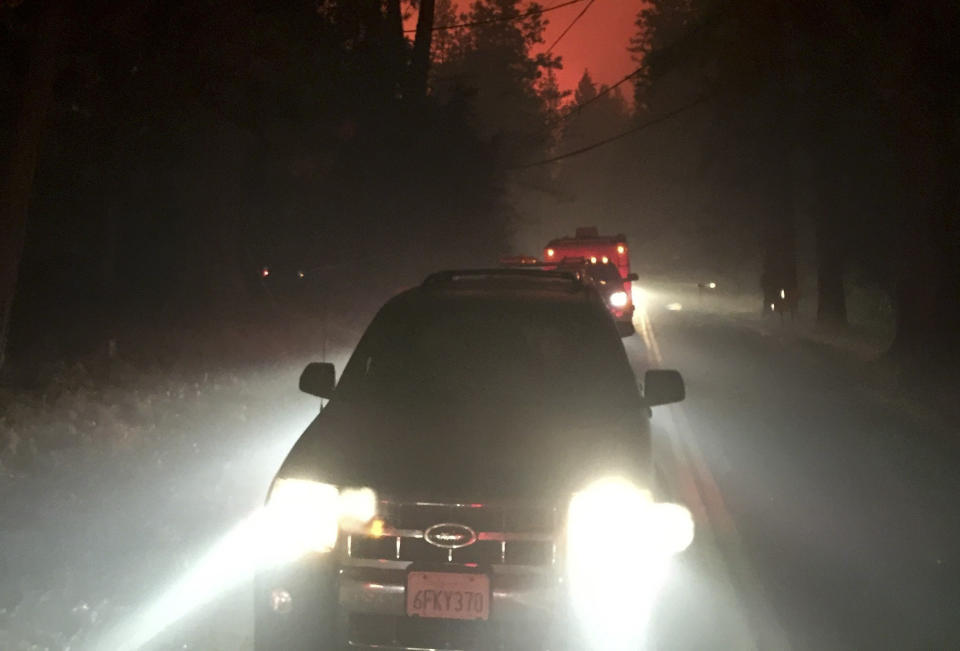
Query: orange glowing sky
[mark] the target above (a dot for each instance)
(598, 42)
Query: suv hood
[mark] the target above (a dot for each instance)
(477, 452)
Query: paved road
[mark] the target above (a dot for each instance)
(827, 516)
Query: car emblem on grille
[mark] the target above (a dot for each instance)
(450, 536)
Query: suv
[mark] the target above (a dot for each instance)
(484, 451)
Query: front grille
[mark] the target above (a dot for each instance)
(418, 549)
(506, 535)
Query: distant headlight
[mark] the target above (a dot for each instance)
(306, 516)
(618, 299)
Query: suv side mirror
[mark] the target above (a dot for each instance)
(661, 387)
(632, 277)
(318, 379)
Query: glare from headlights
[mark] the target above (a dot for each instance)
(619, 545)
(640, 297)
(232, 560)
(219, 572)
(618, 505)
(301, 516)
(607, 499)
(674, 526)
(618, 299)
(357, 506)
(306, 515)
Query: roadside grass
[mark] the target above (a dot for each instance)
(119, 468)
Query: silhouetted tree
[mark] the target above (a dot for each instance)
(192, 143)
(444, 40)
(923, 62)
(858, 99)
(421, 47)
(21, 164)
(494, 64)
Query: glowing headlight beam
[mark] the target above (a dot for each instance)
(674, 526)
(229, 563)
(301, 516)
(617, 509)
(618, 299)
(304, 515)
(660, 528)
(358, 506)
(641, 297)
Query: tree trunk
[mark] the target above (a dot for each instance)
(22, 164)
(421, 49)
(109, 248)
(779, 235)
(830, 155)
(928, 288)
(396, 56)
(831, 254)
(917, 292)
(779, 275)
(928, 133)
(394, 21)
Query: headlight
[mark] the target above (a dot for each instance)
(611, 506)
(618, 299)
(306, 516)
(618, 510)
(619, 543)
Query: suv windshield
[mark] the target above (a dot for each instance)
(506, 351)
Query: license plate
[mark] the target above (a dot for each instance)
(448, 595)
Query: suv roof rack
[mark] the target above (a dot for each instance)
(453, 275)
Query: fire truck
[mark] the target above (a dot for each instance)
(587, 243)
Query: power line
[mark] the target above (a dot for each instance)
(501, 19)
(606, 89)
(636, 73)
(640, 127)
(572, 23)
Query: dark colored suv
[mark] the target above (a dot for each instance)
(448, 495)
